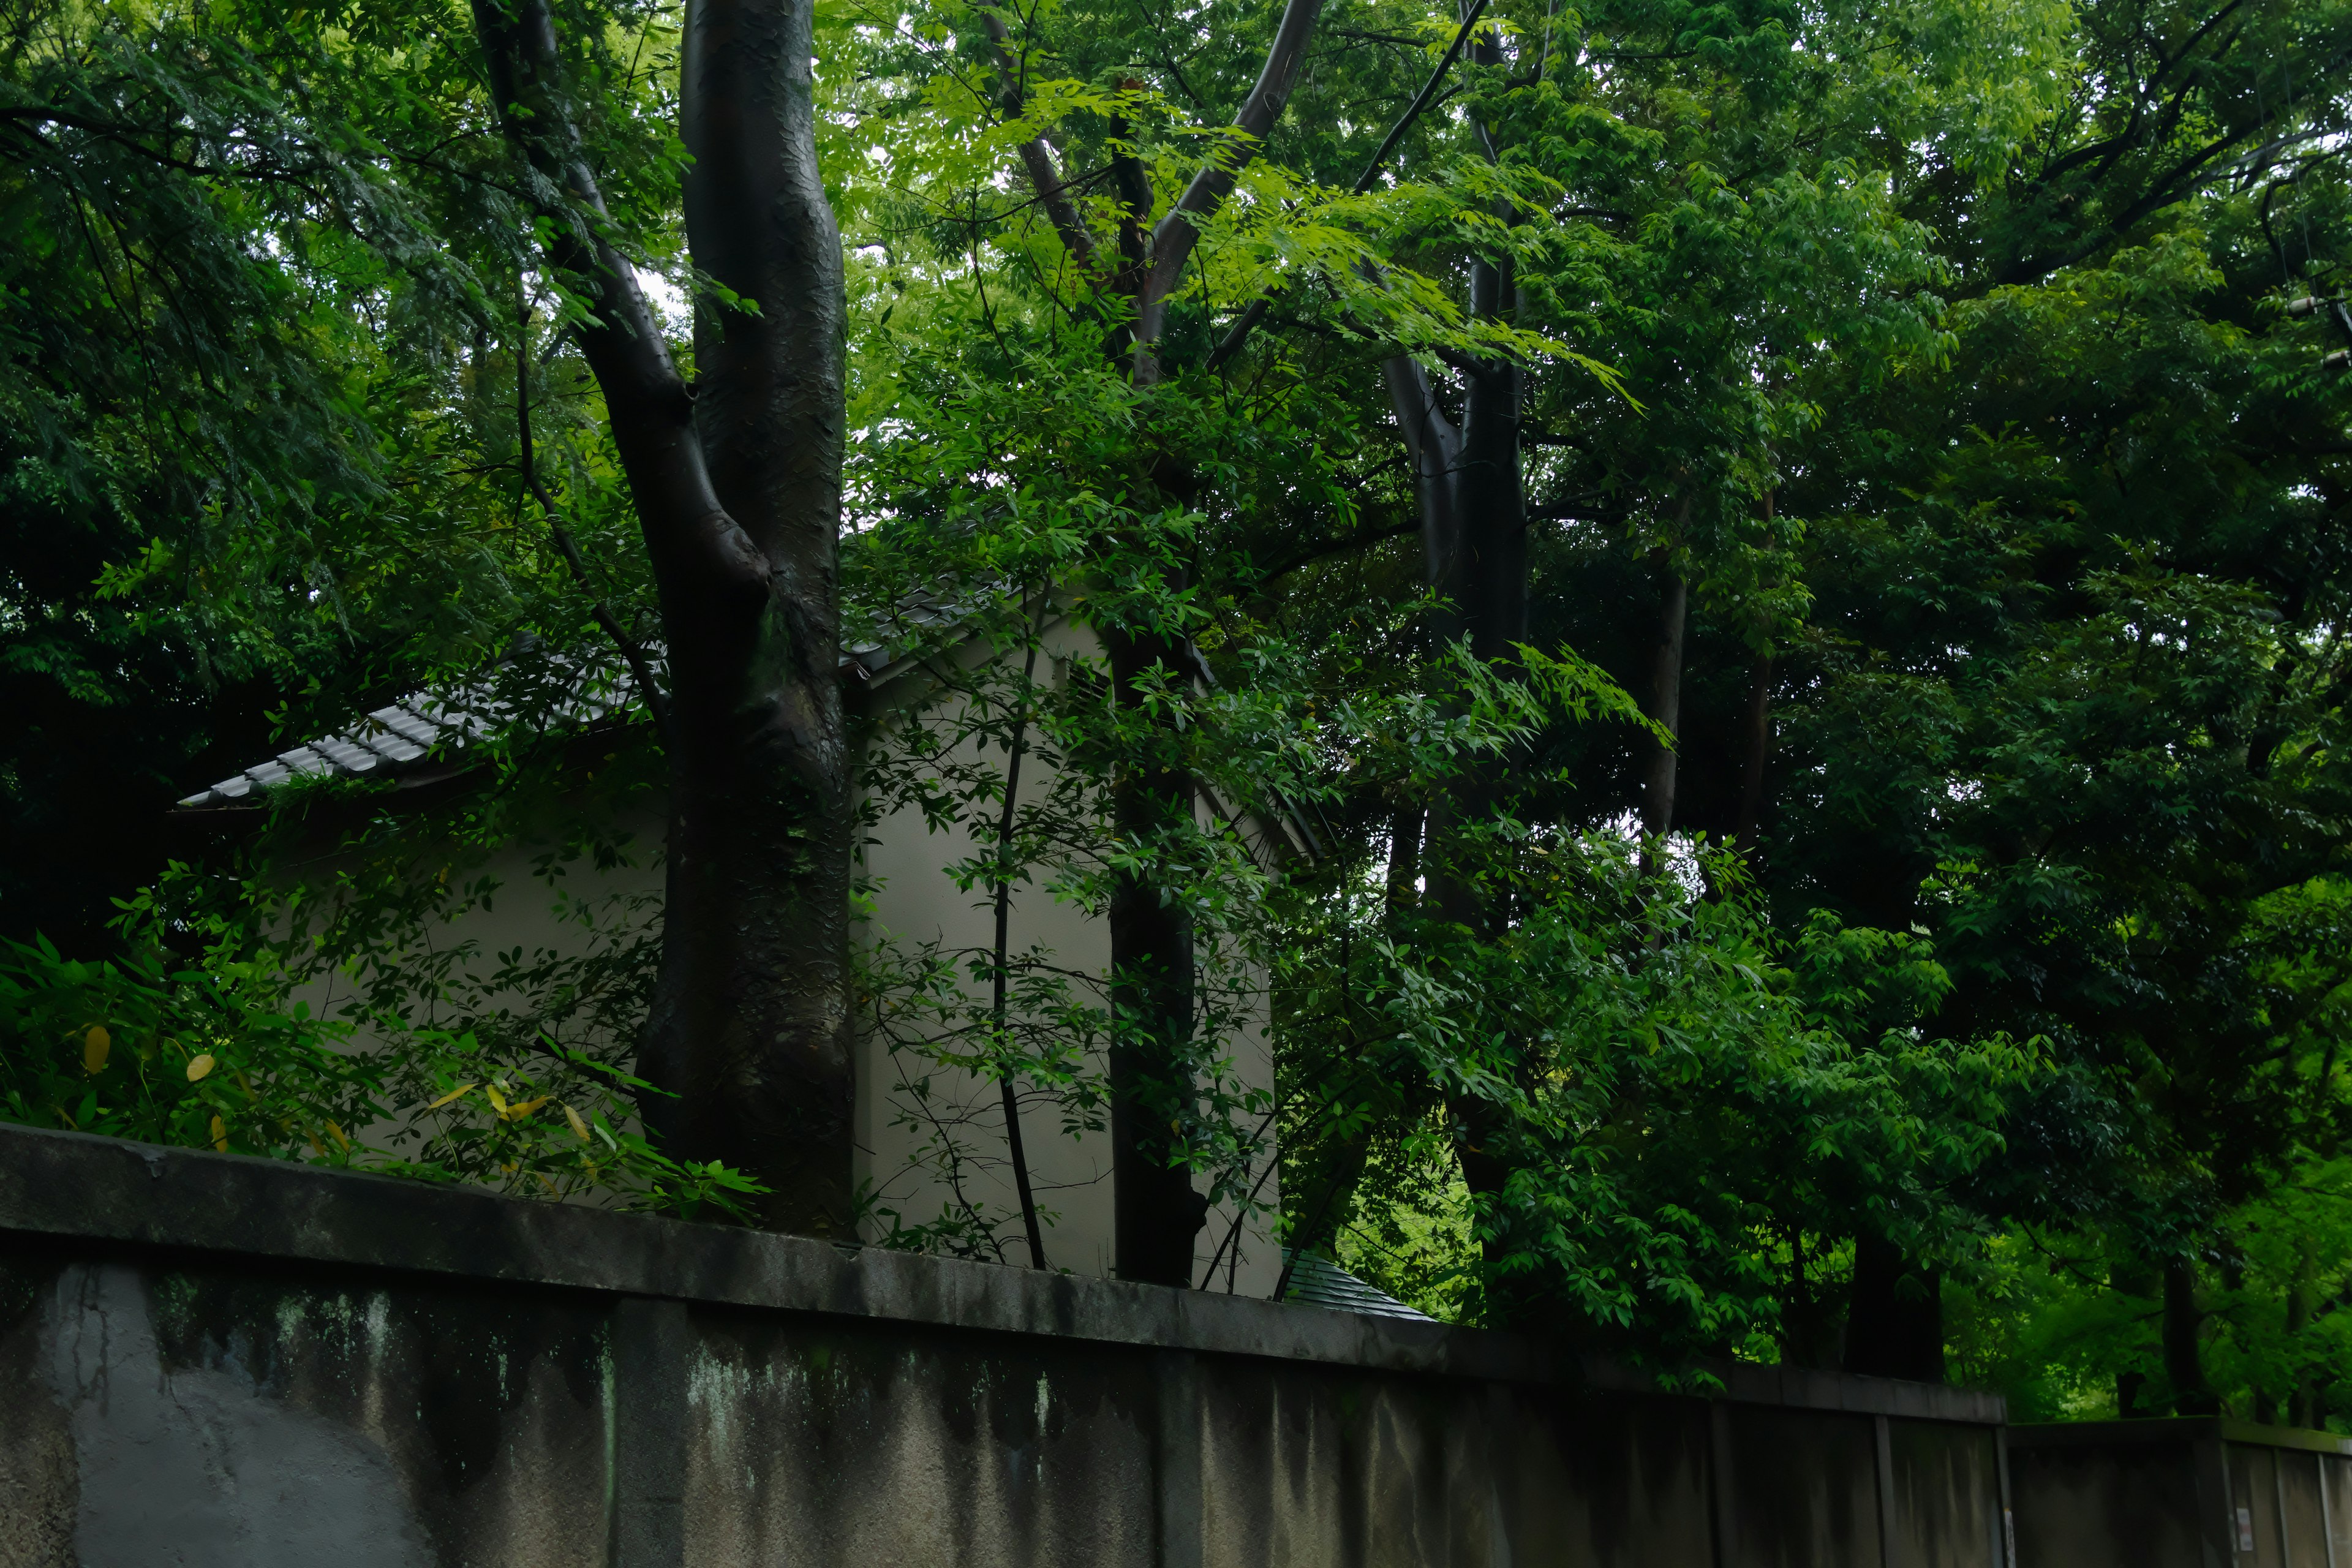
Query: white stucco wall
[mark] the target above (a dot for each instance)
(916, 901)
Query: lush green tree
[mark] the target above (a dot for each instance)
(2068, 705)
(1901, 406)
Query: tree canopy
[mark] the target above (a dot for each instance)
(1784, 566)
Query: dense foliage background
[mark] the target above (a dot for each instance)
(1919, 430)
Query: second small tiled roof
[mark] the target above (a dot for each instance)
(1319, 1282)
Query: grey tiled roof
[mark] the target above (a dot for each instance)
(426, 726)
(915, 616)
(420, 728)
(1319, 1282)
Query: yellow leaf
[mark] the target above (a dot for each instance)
(456, 1093)
(246, 1084)
(201, 1066)
(552, 1191)
(341, 1141)
(316, 1147)
(95, 1044)
(579, 1127)
(516, 1112)
(220, 1135)
(497, 1101)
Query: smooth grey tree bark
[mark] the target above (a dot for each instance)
(737, 485)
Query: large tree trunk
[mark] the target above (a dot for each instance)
(1404, 876)
(2184, 1364)
(1472, 541)
(738, 492)
(1153, 1093)
(1157, 1212)
(1666, 704)
(1895, 1315)
(1758, 751)
(2302, 1399)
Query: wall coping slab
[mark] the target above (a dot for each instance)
(2152, 1429)
(70, 1185)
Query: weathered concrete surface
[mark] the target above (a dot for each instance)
(206, 1360)
(1947, 1500)
(2195, 1492)
(214, 1416)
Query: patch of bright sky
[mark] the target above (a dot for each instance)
(1680, 848)
(668, 302)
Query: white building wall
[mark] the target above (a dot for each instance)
(916, 902)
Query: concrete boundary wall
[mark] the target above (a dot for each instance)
(2180, 1492)
(212, 1359)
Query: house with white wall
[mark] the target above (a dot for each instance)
(930, 1138)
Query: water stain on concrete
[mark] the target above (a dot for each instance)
(190, 1467)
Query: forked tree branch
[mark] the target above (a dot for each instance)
(640, 670)
(687, 532)
(1250, 319)
(1175, 235)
